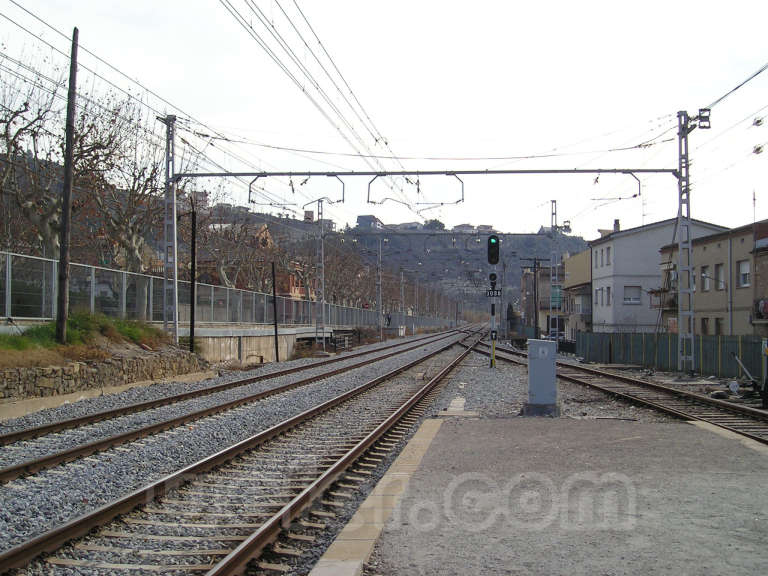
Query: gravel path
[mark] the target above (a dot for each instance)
(501, 392)
(49, 498)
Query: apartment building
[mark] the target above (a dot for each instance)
(730, 282)
(577, 294)
(625, 270)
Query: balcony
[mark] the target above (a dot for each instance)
(663, 299)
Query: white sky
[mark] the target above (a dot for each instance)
(458, 79)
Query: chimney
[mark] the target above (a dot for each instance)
(616, 226)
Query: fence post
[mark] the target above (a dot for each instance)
(227, 314)
(8, 260)
(151, 312)
(719, 356)
(213, 309)
(93, 290)
(739, 355)
(123, 293)
(54, 293)
(253, 316)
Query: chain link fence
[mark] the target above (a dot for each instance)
(28, 292)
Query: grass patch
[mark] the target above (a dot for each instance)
(82, 332)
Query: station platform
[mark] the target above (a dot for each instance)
(563, 496)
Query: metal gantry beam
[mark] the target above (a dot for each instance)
(339, 174)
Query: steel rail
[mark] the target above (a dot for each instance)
(236, 561)
(53, 539)
(31, 466)
(724, 404)
(687, 413)
(44, 429)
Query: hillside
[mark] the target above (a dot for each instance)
(456, 262)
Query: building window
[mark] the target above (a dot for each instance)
(595, 259)
(601, 297)
(596, 292)
(704, 326)
(719, 277)
(632, 294)
(718, 326)
(608, 296)
(744, 276)
(705, 278)
(602, 262)
(608, 256)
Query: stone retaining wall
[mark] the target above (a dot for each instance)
(51, 381)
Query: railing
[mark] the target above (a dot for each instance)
(28, 292)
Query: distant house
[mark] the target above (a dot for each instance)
(409, 226)
(625, 269)
(485, 229)
(464, 228)
(369, 221)
(577, 294)
(730, 283)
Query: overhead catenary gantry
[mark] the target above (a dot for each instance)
(685, 359)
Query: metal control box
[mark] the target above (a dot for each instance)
(542, 386)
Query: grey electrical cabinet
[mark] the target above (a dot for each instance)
(542, 385)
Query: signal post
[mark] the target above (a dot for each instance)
(493, 293)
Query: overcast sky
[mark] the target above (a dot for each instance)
(452, 80)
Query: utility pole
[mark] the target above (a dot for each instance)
(685, 310)
(193, 280)
(274, 312)
(555, 283)
(378, 291)
(322, 268)
(402, 294)
(170, 271)
(62, 305)
(536, 262)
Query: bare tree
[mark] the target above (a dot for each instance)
(30, 122)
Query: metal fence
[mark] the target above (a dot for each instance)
(28, 291)
(714, 354)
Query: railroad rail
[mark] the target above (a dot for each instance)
(81, 450)
(33, 432)
(743, 420)
(241, 497)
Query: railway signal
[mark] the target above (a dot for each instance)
(493, 249)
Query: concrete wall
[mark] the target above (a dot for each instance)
(246, 349)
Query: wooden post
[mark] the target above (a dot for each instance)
(62, 309)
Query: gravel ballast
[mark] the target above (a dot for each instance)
(23, 451)
(49, 498)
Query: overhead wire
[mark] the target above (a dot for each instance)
(112, 67)
(303, 69)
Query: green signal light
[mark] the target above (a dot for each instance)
(493, 240)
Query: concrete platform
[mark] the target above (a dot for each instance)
(561, 496)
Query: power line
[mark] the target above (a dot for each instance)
(223, 150)
(303, 69)
(762, 69)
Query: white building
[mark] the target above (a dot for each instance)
(625, 266)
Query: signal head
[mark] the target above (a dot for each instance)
(493, 249)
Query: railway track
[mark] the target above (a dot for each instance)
(218, 514)
(100, 432)
(744, 420)
(69, 423)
